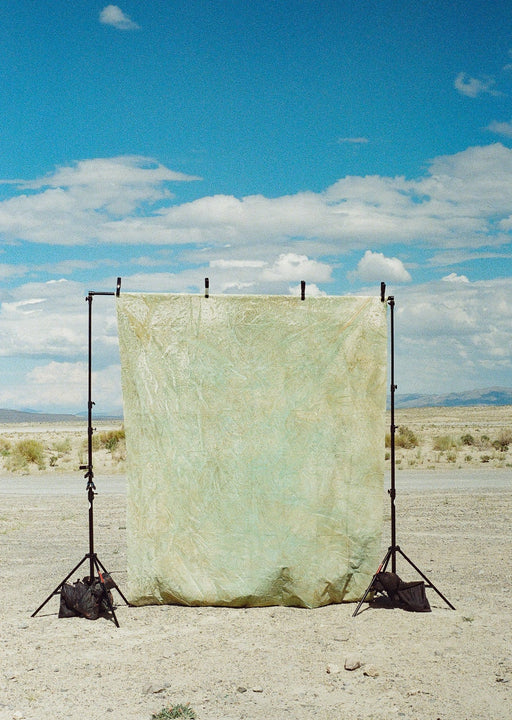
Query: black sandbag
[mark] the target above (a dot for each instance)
(84, 600)
(408, 595)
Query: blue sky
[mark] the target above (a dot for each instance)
(259, 144)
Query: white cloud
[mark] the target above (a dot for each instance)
(500, 128)
(453, 335)
(63, 387)
(463, 200)
(77, 204)
(473, 87)
(238, 276)
(453, 277)
(113, 15)
(375, 267)
(49, 320)
(290, 267)
(353, 140)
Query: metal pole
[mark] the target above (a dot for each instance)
(90, 475)
(392, 490)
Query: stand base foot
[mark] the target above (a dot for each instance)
(391, 554)
(100, 568)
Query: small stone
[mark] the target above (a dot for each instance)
(241, 689)
(371, 671)
(332, 669)
(257, 689)
(352, 662)
(154, 689)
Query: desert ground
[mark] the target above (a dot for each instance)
(454, 514)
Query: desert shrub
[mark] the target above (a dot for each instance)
(108, 440)
(111, 439)
(451, 457)
(27, 451)
(444, 442)
(5, 447)
(503, 440)
(485, 458)
(62, 447)
(404, 438)
(175, 711)
(467, 439)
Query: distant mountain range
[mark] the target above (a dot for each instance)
(31, 416)
(486, 396)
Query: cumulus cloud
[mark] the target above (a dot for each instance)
(453, 335)
(113, 15)
(462, 200)
(77, 204)
(453, 277)
(63, 387)
(501, 128)
(290, 267)
(375, 267)
(473, 87)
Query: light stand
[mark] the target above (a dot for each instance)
(95, 564)
(394, 548)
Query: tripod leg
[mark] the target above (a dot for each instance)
(116, 586)
(381, 568)
(105, 591)
(427, 580)
(56, 591)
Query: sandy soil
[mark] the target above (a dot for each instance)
(254, 664)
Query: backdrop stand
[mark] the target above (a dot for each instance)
(95, 564)
(394, 548)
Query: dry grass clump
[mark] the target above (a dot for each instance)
(175, 711)
(24, 453)
(60, 449)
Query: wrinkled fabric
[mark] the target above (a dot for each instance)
(255, 447)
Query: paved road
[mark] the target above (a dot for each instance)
(415, 480)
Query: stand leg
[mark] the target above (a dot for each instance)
(428, 582)
(99, 565)
(391, 554)
(382, 567)
(96, 563)
(57, 589)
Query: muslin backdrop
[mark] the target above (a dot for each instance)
(255, 447)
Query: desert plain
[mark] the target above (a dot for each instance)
(454, 514)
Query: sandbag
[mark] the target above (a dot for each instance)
(407, 595)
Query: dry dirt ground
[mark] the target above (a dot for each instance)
(256, 664)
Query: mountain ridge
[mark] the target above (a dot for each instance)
(483, 396)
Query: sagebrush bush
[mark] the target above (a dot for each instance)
(108, 440)
(503, 440)
(175, 711)
(444, 442)
(404, 438)
(25, 452)
(5, 447)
